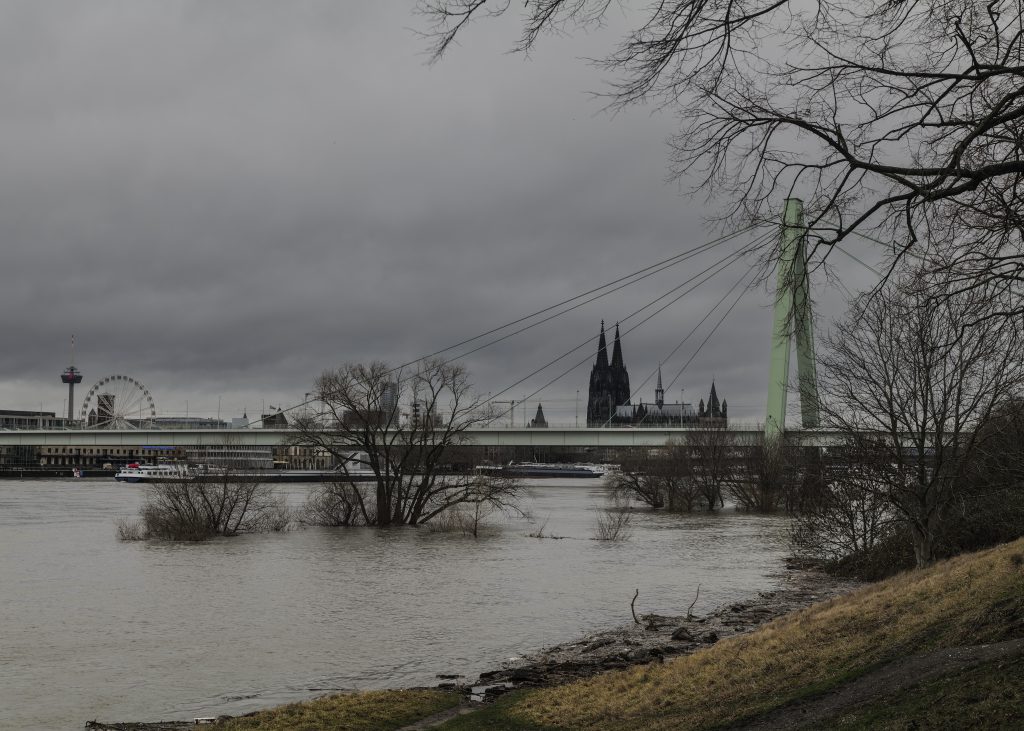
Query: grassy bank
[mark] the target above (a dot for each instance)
(383, 710)
(967, 601)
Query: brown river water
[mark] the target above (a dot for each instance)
(91, 627)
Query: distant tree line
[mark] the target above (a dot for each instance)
(709, 465)
(927, 395)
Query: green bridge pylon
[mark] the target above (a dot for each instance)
(793, 317)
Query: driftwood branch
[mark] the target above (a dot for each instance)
(631, 607)
(689, 611)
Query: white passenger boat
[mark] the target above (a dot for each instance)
(151, 473)
(204, 473)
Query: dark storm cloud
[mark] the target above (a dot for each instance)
(222, 199)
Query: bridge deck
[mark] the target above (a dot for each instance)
(509, 437)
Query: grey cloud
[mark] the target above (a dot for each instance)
(223, 199)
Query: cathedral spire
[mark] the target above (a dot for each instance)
(659, 392)
(602, 349)
(620, 376)
(714, 408)
(617, 350)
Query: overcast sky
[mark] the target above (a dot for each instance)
(223, 198)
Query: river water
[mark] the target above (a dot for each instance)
(91, 627)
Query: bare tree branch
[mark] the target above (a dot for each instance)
(903, 118)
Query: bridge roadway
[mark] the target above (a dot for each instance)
(491, 437)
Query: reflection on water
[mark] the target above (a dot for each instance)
(94, 628)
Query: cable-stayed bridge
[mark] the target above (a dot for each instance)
(484, 437)
(792, 320)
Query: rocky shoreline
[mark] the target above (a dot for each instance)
(655, 637)
(650, 639)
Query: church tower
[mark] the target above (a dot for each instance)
(715, 411)
(714, 407)
(659, 392)
(620, 376)
(539, 422)
(609, 382)
(601, 398)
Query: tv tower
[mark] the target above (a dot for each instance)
(71, 376)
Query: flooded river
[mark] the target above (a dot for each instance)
(94, 628)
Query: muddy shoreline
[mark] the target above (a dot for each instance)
(653, 639)
(656, 637)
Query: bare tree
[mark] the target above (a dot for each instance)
(337, 503)
(196, 508)
(907, 378)
(613, 521)
(711, 451)
(905, 117)
(634, 479)
(673, 468)
(362, 410)
(767, 472)
(659, 478)
(848, 515)
(988, 505)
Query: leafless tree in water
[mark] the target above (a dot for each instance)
(196, 508)
(400, 425)
(711, 451)
(613, 520)
(766, 475)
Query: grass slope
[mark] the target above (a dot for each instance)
(383, 710)
(968, 600)
(988, 696)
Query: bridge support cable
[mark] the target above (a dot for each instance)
(681, 343)
(696, 352)
(633, 277)
(587, 297)
(706, 275)
(588, 301)
(792, 317)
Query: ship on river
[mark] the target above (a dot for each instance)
(134, 473)
(543, 469)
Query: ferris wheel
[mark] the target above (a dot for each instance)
(118, 402)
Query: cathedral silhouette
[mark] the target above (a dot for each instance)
(608, 401)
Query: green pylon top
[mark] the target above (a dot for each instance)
(793, 316)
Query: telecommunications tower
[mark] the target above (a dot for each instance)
(71, 376)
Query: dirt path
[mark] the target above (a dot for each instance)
(886, 681)
(438, 718)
